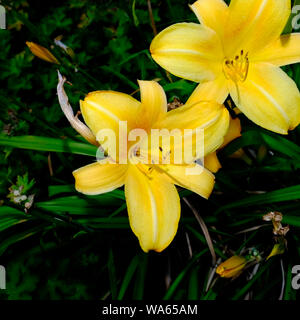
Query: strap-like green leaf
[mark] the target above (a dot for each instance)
(48, 144)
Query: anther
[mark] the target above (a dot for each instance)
(237, 69)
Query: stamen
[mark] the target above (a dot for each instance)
(138, 152)
(237, 69)
(150, 169)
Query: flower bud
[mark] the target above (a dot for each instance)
(231, 267)
(41, 52)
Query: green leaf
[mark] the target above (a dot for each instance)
(182, 85)
(245, 289)
(48, 144)
(6, 211)
(289, 292)
(10, 217)
(248, 138)
(112, 274)
(141, 277)
(289, 26)
(247, 240)
(203, 240)
(55, 190)
(182, 274)
(128, 276)
(103, 223)
(81, 205)
(120, 76)
(6, 223)
(193, 292)
(8, 241)
(292, 220)
(133, 56)
(282, 145)
(257, 138)
(285, 194)
(135, 18)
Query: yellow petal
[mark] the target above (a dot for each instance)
(104, 110)
(192, 177)
(211, 117)
(212, 163)
(233, 132)
(252, 24)
(269, 97)
(41, 52)
(216, 90)
(188, 50)
(212, 13)
(99, 177)
(282, 51)
(153, 208)
(154, 103)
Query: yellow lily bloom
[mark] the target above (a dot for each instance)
(231, 267)
(152, 199)
(237, 50)
(41, 52)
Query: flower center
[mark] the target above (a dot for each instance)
(147, 170)
(236, 69)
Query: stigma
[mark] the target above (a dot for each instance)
(236, 69)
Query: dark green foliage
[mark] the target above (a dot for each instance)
(70, 246)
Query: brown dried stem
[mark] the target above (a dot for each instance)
(204, 230)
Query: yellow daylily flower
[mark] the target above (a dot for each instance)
(231, 267)
(41, 52)
(211, 161)
(152, 199)
(237, 50)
